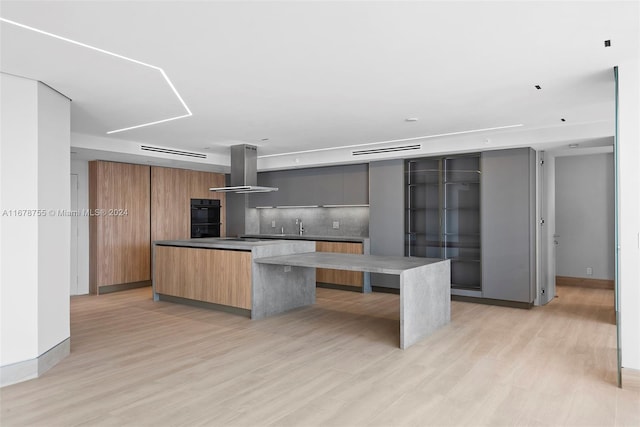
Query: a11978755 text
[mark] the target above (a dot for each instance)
(63, 212)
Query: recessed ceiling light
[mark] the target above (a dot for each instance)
(573, 145)
(607, 43)
(411, 119)
(206, 148)
(562, 120)
(106, 52)
(264, 139)
(538, 87)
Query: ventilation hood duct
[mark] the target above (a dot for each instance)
(244, 171)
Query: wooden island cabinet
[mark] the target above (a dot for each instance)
(214, 276)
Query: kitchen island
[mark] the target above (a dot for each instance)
(261, 278)
(220, 273)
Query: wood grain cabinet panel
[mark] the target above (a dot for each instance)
(216, 276)
(119, 234)
(339, 277)
(171, 193)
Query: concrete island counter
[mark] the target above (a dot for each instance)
(220, 272)
(425, 283)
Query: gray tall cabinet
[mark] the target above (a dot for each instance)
(386, 210)
(508, 225)
(478, 210)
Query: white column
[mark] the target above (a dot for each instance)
(629, 212)
(34, 249)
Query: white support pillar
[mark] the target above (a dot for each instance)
(629, 212)
(34, 235)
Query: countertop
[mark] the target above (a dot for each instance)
(353, 262)
(221, 243)
(308, 237)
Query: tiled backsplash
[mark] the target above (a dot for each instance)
(352, 221)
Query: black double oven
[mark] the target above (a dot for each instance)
(205, 218)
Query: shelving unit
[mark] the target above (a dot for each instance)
(442, 204)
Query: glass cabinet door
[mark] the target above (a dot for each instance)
(443, 214)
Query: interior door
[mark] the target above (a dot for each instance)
(73, 278)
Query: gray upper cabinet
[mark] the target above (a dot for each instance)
(333, 185)
(356, 184)
(508, 225)
(265, 179)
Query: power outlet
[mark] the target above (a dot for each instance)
(273, 224)
(589, 271)
(336, 225)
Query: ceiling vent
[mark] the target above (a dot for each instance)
(386, 150)
(173, 152)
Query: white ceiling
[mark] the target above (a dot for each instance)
(318, 75)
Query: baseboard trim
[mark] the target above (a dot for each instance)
(584, 282)
(631, 379)
(385, 290)
(33, 368)
(489, 301)
(354, 288)
(203, 304)
(107, 289)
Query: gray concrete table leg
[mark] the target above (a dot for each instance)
(277, 288)
(366, 289)
(425, 301)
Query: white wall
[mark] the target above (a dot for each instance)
(18, 271)
(81, 168)
(585, 216)
(629, 212)
(34, 262)
(53, 230)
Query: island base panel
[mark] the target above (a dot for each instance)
(209, 275)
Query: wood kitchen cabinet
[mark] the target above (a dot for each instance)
(119, 233)
(340, 277)
(171, 193)
(133, 205)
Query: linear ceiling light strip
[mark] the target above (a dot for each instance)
(392, 141)
(106, 52)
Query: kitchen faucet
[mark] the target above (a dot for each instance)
(300, 226)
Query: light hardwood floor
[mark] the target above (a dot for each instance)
(136, 362)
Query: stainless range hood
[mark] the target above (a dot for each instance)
(244, 171)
